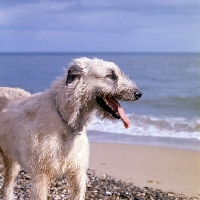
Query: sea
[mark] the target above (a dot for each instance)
(168, 113)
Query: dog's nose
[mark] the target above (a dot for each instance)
(137, 94)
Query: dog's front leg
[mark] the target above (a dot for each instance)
(11, 171)
(77, 182)
(40, 184)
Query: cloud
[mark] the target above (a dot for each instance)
(98, 25)
(147, 7)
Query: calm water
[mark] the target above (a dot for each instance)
(168, 110)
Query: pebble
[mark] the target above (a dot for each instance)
(102, 187)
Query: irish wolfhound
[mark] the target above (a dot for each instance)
(45, 133)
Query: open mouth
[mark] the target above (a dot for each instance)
(113, 107)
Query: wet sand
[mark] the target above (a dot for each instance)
(167, 169)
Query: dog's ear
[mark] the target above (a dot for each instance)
(77, 69)
(74, 72)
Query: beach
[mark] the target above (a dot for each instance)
(168, 169)
(160, 150)
(127, 171)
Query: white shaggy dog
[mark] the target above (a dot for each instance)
(45, 133)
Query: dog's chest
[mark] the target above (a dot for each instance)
(74, 152)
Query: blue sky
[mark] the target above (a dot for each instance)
(99, 26)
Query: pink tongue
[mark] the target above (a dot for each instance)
(124, 118)
(117, 107)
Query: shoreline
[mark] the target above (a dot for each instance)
(176, 143)
(168, 169)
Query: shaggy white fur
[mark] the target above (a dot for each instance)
(45, 133)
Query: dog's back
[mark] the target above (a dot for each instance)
(7, 94)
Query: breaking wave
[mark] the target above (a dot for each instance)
(173, 127)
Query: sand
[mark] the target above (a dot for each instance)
(168, 169)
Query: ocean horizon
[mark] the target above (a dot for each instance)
(167, 114)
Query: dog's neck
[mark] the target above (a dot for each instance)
(73, 129)
(66, 115)
(64, 122)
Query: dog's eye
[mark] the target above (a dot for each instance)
(112, 76)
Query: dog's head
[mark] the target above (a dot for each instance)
(101, 84)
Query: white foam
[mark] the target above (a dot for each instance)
(152, 126)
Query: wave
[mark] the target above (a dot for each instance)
(173, 100)
(142, 125)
